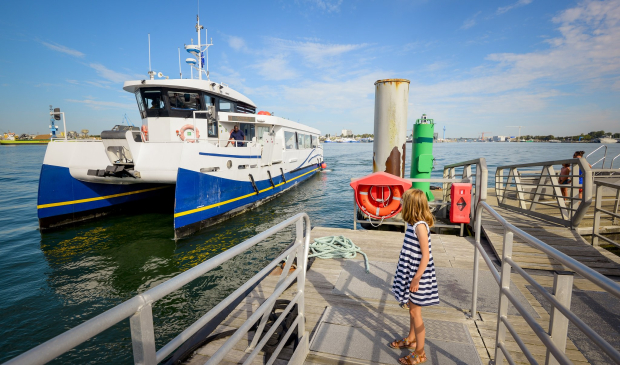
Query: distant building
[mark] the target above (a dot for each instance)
(347, 132)
(499, 138)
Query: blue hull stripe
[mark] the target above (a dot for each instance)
(202, 196)
(60, 193)
(230, 156)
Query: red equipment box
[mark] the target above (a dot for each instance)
(460, 207)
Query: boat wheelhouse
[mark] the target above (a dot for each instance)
(183, 145)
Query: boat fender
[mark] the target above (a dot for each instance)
(181, 133)
(323, 165)
(145, 132)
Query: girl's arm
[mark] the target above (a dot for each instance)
(422, 234)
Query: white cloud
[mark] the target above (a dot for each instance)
(315, 53)
(236, 43)
(470, 22)
(99, 105)
(327, 5)
(275, 68)
(503, 9)
(63, 49)
(110, 75)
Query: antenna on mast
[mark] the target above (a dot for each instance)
(180, 73)
(151, 73)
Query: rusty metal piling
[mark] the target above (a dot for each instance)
(389, 147)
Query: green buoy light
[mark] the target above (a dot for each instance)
(422, 154)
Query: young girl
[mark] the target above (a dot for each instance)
(415, 284)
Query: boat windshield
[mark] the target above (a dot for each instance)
(179, 103)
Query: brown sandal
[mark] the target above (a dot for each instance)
(402, 344)
(413, 359)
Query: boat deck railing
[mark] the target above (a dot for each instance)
(598, 211)
(560, 298)
(139, 308)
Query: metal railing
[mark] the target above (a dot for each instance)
(479, 180)
(555, 338)
(602, 158)
(139, 309)
(598, 210)
(526, 190)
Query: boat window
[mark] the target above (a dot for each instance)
(208, 100)
(184, 100)
(260, 132)
(290, 140)
(245, 108)
(300, 141)
(315, 142)
(307, 143)
(153, 103)
(226, 106)
(140, 104)
(248, 130)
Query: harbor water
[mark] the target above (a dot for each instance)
(52, 282)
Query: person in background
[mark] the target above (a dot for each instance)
(415, 284)
(236, 135)
(564, 178)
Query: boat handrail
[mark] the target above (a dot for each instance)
(559, 298)
(139, 308)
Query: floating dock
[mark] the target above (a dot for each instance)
(352, 316)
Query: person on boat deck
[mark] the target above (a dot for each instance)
(236, 135)
(155, 104)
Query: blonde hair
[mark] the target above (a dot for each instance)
(415, 207)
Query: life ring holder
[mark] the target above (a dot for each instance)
(145, 132)
(380, 208)
(181, 133)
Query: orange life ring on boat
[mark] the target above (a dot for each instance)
(380, 201)
(145, 132)
(181, 133)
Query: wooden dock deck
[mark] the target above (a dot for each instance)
(351, 315)
(558, 236)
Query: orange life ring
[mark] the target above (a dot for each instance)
(181, 133)
(145, 132)
(383, 206)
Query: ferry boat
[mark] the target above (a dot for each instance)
(183, 145)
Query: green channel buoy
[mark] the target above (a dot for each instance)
(422, 154)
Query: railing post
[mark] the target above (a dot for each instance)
(597, 214)
(474, 289)
(558, 323)
(143, 336)
(302, 264)
(502, 311)
(354, 214)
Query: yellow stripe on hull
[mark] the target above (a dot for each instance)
(97, 198)
(238, 198)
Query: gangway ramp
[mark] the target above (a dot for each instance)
(560, 237)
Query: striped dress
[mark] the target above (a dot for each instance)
(408, 262)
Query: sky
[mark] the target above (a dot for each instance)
(552, 67)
